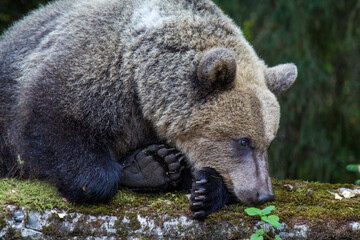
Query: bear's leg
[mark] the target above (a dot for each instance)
(79, 162)
(92, 176)
(8, 164)
(155, 168)
(208, 193)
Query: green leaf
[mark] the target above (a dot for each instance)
(253, 211)
(260, 232)
(277, 237)
(353, 167)
(273, 220)
(357, 182)
(256, 237)
(267, 210)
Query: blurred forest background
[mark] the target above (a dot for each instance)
(320, 125)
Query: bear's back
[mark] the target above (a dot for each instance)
(116, 53)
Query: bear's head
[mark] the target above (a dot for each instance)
(236, 122)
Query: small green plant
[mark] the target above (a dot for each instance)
(273, 220)
(354, 168)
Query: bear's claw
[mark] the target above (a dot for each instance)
(208, 193)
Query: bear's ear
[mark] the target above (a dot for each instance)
(280, 77)
(217, 69)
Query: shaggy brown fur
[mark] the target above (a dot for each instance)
(85, 82)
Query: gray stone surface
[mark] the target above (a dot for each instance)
(56, 224)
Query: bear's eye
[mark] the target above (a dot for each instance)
(244, 142)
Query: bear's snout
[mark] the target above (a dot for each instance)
(258, 198)
(263, 198)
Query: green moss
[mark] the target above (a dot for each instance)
(127, 227)
(34, 195)
(307, 202)
(313, 201)
(51, 230)
(134, 222)
(12, 234)
(120, 225)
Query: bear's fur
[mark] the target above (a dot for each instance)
(84, 83)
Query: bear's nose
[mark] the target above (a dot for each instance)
(263, 198)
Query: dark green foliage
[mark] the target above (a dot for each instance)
(11, 10)
(320, 128)
(354, 168)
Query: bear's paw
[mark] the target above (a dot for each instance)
(155, 168)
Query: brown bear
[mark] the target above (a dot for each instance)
(146, 95)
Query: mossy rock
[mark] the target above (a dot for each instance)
(307, 210)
